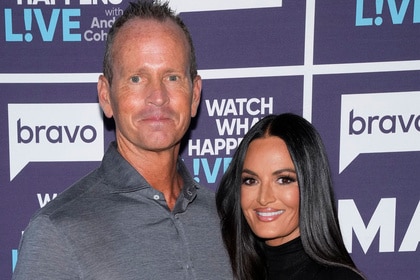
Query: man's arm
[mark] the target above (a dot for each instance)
(44, 253)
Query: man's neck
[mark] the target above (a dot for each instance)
(159, 169)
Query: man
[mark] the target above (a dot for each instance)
(140, 215)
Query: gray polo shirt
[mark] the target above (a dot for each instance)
(113, 225)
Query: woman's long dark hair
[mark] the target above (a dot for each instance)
(319, 229)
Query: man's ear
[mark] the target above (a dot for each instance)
(196, 95)
(104, 96)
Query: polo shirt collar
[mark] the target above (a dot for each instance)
(121, 177)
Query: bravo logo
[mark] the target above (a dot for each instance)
(378, 123)
(54, 133)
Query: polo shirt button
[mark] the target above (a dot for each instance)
(156, 197)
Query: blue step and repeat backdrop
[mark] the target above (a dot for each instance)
(350, 67)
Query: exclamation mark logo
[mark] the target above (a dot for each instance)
(28, 24)
(196, 168)
(379, 8)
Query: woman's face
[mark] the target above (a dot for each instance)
(270, 192)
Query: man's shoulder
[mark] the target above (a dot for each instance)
(72, 197)
(205, 191)
(205, 194)
(205, 202)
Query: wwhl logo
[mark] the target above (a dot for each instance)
(54, 133)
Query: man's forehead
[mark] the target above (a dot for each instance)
(149, 24)
(144, 29)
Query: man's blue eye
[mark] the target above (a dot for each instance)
(135, 79)
(173, 78)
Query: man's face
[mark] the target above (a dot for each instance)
(152, 97)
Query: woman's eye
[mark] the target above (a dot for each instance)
(135, 79)
(286, 180)
(248, 181)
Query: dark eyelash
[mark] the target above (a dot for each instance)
(289, 179)
(245, 179)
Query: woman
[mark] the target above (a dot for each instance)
(277, 206)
